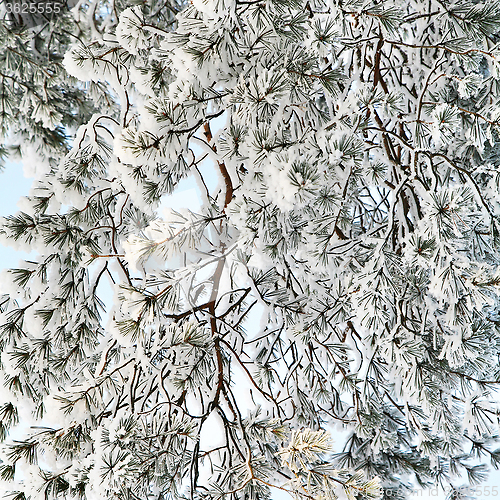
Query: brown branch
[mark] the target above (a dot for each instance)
(377, 77)
(222, 167)
(265, 394)
(213, 326)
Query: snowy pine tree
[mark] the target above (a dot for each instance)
(341, 278)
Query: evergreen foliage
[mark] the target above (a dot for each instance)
(342, 277)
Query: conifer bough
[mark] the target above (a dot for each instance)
(341, 279)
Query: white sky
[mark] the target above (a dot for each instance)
(13, 185)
